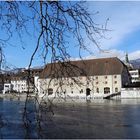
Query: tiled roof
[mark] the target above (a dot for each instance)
(102, 66)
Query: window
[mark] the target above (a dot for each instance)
(72, 92)
(105, 82)
(65, 91)
(81, 91)
(96, 77)
(88, 91)
(116, 89)
(115, 82)
(105, 77)
(96, 83)
(106, 90)
(50, 91)
(97, 90)
(115, 76)
(71, 84)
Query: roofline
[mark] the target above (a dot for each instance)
(83, 60)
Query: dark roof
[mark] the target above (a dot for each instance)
(102, 66)
(19, 76)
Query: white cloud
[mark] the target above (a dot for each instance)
(120, 54)
(123, 21)
(134, 55)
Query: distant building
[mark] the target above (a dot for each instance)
(92, 78)
(4, 78)
(1, 82)
(135, 75)
(127, 62)
(7, 88)
(23, 81)
(19, 82)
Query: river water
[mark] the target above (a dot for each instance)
(99, 119)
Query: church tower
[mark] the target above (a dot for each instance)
(127, 62)
(126, 58)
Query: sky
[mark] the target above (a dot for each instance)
(123, 35)
(124, 26)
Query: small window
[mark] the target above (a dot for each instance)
(72, 92)
(105, 77)
(81, 91)
(50, 91)
(115, 82)
(96, 83)
(71, 84)
(115, 76)
(96, 77)
(106, 90)
(97, 90)
(105, 82)
(116, 89)
(65, 91)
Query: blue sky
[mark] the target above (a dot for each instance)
(124, 23)
(124, 34)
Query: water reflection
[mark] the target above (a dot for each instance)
(98, 119)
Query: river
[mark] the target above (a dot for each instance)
(99, 119)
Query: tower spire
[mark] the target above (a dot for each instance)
(126, 58)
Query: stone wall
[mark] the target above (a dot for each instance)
(130, 93)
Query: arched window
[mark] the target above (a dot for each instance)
(50, 91)
(116, 89)
(88, 91)
(106, 90)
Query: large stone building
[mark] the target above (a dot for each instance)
(93, 78)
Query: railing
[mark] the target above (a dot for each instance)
(112, 95)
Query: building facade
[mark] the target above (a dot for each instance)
(22, 81)
(19, 84)
(94, 78)
(135, 75)
(5, 78)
